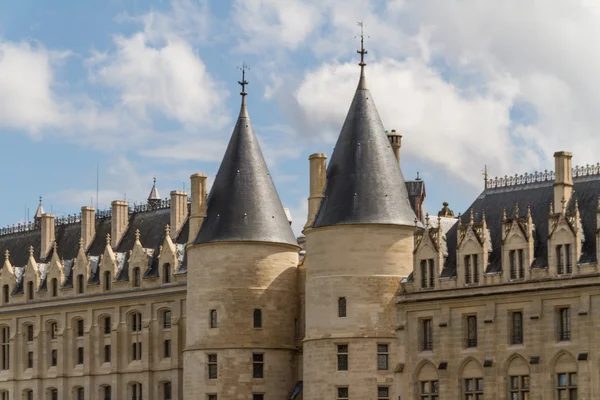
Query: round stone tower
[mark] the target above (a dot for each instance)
(242, 296)
(359, 247)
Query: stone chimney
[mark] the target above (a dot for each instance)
(88, 225)
(48, 238)
(179, 211)
(563, 180)
(119, 221)
(396, 142)
(318, 177)
(198, 206)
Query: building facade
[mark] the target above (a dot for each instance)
(210, 296)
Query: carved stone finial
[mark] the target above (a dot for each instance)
(564, 204)
(576, 205)
(427, 220)
(55, 246)
(6, 254)
(30, 251)
(551, 207)
(504, 214)
(528, 211)
(167, 230)
(108, 239)
(137, 235)
(516, 210)
(81, 243)
(471, 216)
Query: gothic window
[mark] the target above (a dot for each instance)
(167, 348)
(53, 394)
(257, 318)
(54, 358)
(136, 322)
(473, 389)
(517, 267)
(518, 387)
(564, 264)
(107, 392)
(80, 327)
(342, 357)
(107, 280)
(341, 307)
(79, 356)
(166, 391)
(566, 385)
(5, 348)
(4, 395)
(382, 357)
(107, 325)
(258, 365)
(136, 277)
(30, 290)
(30, 359)
(107, 353)
(471, 331)
(53, 328)
(427, 383)
(427, 273)
(516, 328)
(212, 366)
(79, 394)
(467, 269)
(136, 351)
(28, 394)
(54, 287)
(166, 319)
(166, 273)
(136, 391)
(213, 318)
(5, 294)
(475, 268)
(426, 334)
(564, 324)
(29, 331)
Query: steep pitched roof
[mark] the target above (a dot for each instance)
(243, 204)
(364, 183)
(538, 196)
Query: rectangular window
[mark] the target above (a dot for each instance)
(107, 353)
(53, 330)
(512, 257)
(211, 397)
(518, 387)
(471, 331)
(516, 336)
(54, 358)
(54, 394)
(258, 396)
(560, 266)
(5, 294)
(382, 357)
(213, 318)
(167, 320)
(80, 355)
(257, 318)
(107, 393)
(568, 262)
(431, 273)
(258, 365)
(342, 393)
(467, 269)
(167, 391)
(475, 268)
(342, 357)
(107, 325)
(341, 307)
(30, 359)
(30, 333)
(521, 264)
(428, 390)
(80, 328)
(29, 395)
(473, 389)
(564, 324)
(80, 394)
(136, 351)
(167, 348)
(136, 322)
(427, 334)
(424, 279)
(212, 366)
(5, 348)
(566, 386)
(383, 393)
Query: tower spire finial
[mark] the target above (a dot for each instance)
(362, 50)
(243, 82)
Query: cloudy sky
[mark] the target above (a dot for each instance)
(149, 87)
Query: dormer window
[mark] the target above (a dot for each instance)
(564, 263)
(517, 266)
(427, 274)
(471, 269)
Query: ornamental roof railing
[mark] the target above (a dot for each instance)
(537, 177)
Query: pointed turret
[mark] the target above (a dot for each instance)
(243, 204)
(154, 197)
(40, 210)
(364, 184)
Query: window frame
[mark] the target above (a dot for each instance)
(257, 318)
(426, 334)
(475, 392)
(342, 307)
(521, 388)
(212, 366)
(258, 365)
(343, 359)
(569, 388)
(563, 324)
(383, 356)
(516, 328)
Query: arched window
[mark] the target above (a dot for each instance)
(5, 348)
(136, 340)
(28, 394)
(28, 332)
(427, 382)
(166, 319)
(5, 294)
(107, 280)
(136, 321)
(518, 378)
(54, 287)
(79, 393)
(29, 290)
(52, 394)
(136, 277)
(80, 284)
(472, 380)
(565, 370)
(106, 393)
(166, 272)
(166, 391)
(135, 390)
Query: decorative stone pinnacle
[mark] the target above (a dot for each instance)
(167, 229)
(471, 216)
(80, 242)
(6, 255)
(108, 239)
(564, 204)
(30, 251)
(516, 210)
(551, 207)
(54, 246)
(137, 235)
(427, 220)
(504, 214)
(529, 211)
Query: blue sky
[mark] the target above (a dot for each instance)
(149, 87)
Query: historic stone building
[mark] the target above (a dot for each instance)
(211, 297)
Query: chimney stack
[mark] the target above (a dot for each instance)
(88, 225)
(318, 176)
(563, 178)
(48, 238)
(198, 205)
(119, 221)
(179, 211)
(396, 142)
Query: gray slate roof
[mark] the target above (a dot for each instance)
(243, 204)
(364, 184)
(538, 196)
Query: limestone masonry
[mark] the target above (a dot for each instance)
(377, 300)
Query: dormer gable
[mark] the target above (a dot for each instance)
(565, 238)
(55, 269)
(168, 260)
(517, 245)
(108, 260)
(473, 249)
(8, 278)
(138, 257)
(428, 255)
(31, 271)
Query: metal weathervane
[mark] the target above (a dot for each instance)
(243, 82)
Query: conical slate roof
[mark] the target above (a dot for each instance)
(364, 183)
(154, 192)
(243, 204)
